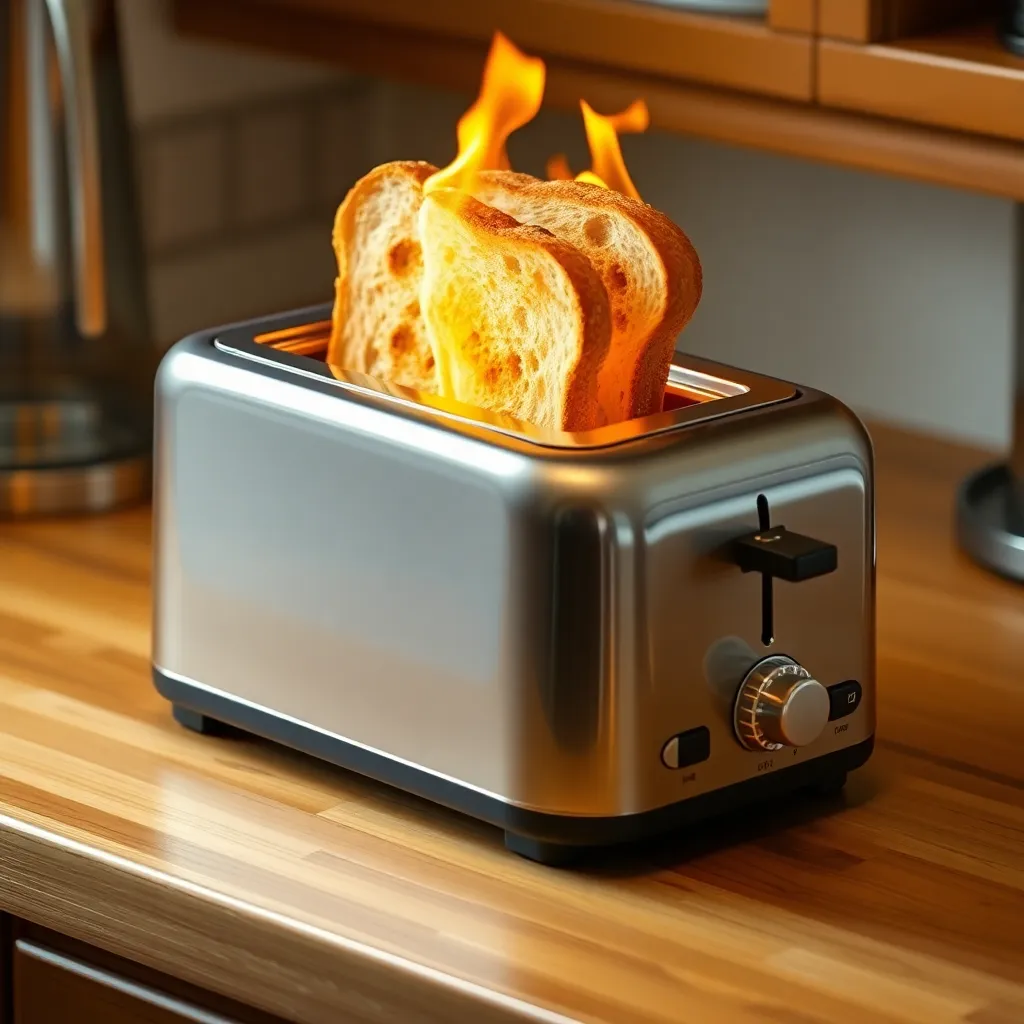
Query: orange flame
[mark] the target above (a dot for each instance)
(608, 168)
(558, 168)
(510, 96)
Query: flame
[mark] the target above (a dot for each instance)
(558, 168)
(510, 96)
(608, 169)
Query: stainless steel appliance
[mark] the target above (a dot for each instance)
(990, 505)
(581, 638)
(1011, 25)
(76, 356)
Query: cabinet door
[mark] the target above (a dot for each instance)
(51, 988)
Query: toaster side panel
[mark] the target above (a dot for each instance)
(313, 562)
(707, 620)
(638, 631)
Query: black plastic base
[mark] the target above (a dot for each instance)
(196, 722)
(554, 855)
(552, 839)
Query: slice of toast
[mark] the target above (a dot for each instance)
(650, 270)
(518, 320)
(376, 323)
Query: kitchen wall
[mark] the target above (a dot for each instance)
(892, 295)
(242, 160)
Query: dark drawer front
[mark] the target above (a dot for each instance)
(51, 988)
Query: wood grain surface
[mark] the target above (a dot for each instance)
(313, 894)
(803, 130)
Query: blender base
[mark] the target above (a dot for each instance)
(67, 453)
(985, 522)
(74, 490)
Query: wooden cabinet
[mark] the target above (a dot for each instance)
(50, 987)
(47, 978)
(793, 15)
(930, 62)
(735, 52)
(872, 21)
(921, 89)
(5, 969)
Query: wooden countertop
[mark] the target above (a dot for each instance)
(319, 896)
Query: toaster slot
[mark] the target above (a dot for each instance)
(696, 389)
(681, 391)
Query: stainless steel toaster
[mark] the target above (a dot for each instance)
(584, 639)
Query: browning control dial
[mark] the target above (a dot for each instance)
(778, 705)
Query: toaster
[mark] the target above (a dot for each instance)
(585, 639)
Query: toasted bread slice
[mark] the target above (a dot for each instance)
(376, 323)
(518, 320)
(650, 270)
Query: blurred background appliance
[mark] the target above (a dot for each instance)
(990, 506)
(1012, 25)
(76, 356)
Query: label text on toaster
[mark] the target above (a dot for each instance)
(763, 766)
(842, 728)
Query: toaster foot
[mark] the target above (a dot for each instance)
(549, 854)
(195, 721)
(830, 784)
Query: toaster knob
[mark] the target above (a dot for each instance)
(779, 704)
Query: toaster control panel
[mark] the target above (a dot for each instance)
(780, 704)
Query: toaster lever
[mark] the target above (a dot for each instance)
(784, 555)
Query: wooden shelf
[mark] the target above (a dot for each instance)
(727, 51)
(798, 129)
(960, 78)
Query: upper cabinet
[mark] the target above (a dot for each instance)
(769, 54)
(922, 89)
(935, 62)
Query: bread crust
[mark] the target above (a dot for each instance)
(354, 355)
(591, 311)
(680, 271)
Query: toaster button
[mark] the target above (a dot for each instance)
(784, 555)
(687, 748)
(843, 699)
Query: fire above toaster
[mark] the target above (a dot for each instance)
(584, 639)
